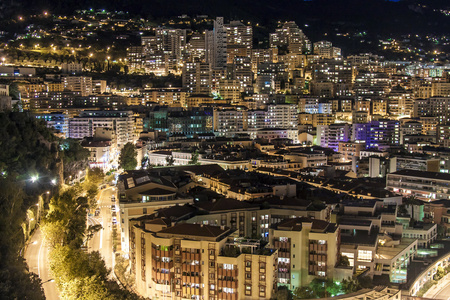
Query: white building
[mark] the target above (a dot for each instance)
(120, 121)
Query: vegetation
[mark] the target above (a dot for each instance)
(170, 160)
(440, 272)
(74, 156)
(16, 282)
(78, 274)
(120, 269)
(94, 178)
(320, 288)
(27, 149)
(426, 287)
(127, 157)
(343, 261)
(283, 293)
(194, 159)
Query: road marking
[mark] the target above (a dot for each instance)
(101, 237)
(39, 259)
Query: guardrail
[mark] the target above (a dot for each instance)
(427, 274)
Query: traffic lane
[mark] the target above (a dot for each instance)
(444, 293)
(36, 256)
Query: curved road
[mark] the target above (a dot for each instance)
(444, 292)
(36, 255)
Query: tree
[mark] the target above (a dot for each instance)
(194, 158)
(283, 293)
(304, 292)
(365, 282)
(439, 274)
(74, 156)
(343, 261)
(170, 160)
(127, 157)
(95, 176)
(350, 285)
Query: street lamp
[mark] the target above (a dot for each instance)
(34, 178)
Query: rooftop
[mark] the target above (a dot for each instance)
(423, 174)
(194, 230)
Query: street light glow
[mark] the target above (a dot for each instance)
(34, 178)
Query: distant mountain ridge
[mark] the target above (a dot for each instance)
(404, 16)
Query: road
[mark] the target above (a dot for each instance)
(36, 255)
(443, 292)
(102, 240)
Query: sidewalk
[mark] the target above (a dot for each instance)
(444, 281)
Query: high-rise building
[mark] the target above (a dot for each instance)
(239, 34)
(400, 102)
(79, 84)
(196, 77)
(331, 135)
(292, 36)
(242, 72)
(282, 116)
(196, 48)
(438, 107)
(216, 45)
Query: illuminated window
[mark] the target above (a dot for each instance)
(364, 255)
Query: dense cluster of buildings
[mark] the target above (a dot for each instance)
(190, 233)
(267, 167)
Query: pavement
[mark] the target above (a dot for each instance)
(102, 239)
(441, 290)
(36, 255)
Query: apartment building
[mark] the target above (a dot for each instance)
(424, 185)
(330, 136)
(196, 261)
(121, 122)
(226, 120)
(350, 149)
(79, 84)
(307, 249)
(142, 193)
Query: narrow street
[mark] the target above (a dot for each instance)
(102, 240)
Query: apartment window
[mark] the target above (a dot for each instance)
(364, 255)
(321, 273)
(248, 290)
(144, 211)
(248, 275)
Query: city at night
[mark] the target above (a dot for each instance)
(225, 150)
